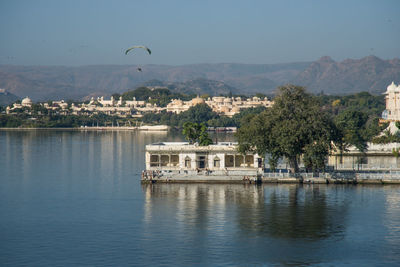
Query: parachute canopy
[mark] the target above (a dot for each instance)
(138, 46)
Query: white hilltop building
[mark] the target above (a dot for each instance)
(26, 102)
(392, 112)
(392, 97)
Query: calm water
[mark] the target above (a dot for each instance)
(74, 199)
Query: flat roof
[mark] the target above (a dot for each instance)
(187, 143)
(185, 146)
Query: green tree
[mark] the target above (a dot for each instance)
(204, 138)
(116, 96)
(196, 132)
(293, 127)
(198, 114)
(191, 131)
(351, 123)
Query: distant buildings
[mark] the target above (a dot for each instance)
(227, 106)
(115, 107)
(25, 103)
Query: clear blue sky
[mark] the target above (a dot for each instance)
(86, 32)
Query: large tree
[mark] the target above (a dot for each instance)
(295, 126)
(196, 132)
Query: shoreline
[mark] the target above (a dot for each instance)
(354, 179)
(84, 129)
(254, 180)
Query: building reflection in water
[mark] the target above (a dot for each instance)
(278, 211)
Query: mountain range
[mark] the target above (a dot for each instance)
(41, 83)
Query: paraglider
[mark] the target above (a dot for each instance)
(139, 69)
(138, 46)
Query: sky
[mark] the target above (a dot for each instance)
(90, 32)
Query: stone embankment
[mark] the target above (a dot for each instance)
(306, 178)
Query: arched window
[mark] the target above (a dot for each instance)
(217, 162)
(188, 162)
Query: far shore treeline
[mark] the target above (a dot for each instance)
(359, 113)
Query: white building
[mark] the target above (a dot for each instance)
(26, 102)
(392, 97)
(217, 158)
(378, 157)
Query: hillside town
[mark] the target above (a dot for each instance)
(226, 106)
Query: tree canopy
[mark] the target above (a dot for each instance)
(295, 125)
(196, 132)
(159, 96)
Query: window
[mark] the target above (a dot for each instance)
(239, 160)
(154, 161)
(188, 162)
(249, 159)
(229, 161)
(174, 160)
(164, 160)
(217, 163)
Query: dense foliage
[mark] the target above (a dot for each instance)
(293, 127)
(159, 96)
(301, 124)
(372, 105)
(198, 114)
(357, 117)
(196, 132)
(24, 120)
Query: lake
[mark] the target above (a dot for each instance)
(71, 198)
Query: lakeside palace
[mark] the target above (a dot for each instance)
(221, 162)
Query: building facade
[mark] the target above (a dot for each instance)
(182, 156)
(377, 157)
(392, 97)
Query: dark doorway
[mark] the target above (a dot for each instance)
(202, 162)
(259, 162)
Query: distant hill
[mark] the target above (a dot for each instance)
(57, 82)
(7, 98)
(370, 74)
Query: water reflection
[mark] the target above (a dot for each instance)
(391, 220)
(294, 211)
(277, 211)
